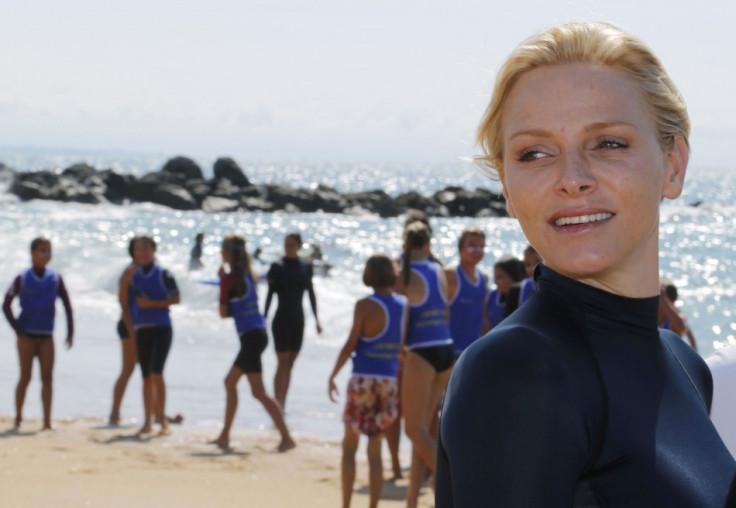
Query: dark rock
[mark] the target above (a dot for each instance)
(296, 199)
(256, 204)
(213, 204)
(27, 189)
(199, 189)
(375, 201)
(117, 187)
(413, 199)
(184, 167)
(464, 203)
(175, 197)
(225, 167)
(224, 188)
(79, 172)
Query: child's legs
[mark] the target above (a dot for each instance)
(26, 352)
(161, 348)
(231, 403)
(270, 404)
(375, 467)
(129, 357)
(416, 401)
(46, 355)
(349, 447)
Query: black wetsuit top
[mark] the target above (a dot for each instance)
(577, 399)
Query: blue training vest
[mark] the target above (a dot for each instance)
(37, 301)
(428, 320)
(244, 309)
(466, 310)
(528, 286)
(379, 356)
(152, 286)
(495, 309)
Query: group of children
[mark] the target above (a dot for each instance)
(403, 342)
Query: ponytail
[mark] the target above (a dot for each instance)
(416, 236)
(239, 261)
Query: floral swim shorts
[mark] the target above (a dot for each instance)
(373, 404)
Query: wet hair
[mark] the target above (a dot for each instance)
(379, 271)
(296, 236)
(469, 232)
(513, 266)
(593, 43)
(38, 241)
(416, 236)
(199, 237)
(669, 289)
(240, 264)
(145, 238)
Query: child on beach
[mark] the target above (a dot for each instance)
(154, 290)
(467, 291)
(37, 288)
(378, 330)
(239, 300)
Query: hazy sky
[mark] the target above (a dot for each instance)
(316, 79)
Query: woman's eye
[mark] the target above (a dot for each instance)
(530, 155)
(612, 144)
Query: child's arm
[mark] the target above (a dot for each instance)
(174, 298)
(123, 295)
(313, 299)
(348, 348)
(13, 290)
(64, 295)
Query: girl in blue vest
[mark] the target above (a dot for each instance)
(37, 288)
(467, 289)
(508, 272)
(430, 353)
(154, 290)
(239, 300)
(379, 325)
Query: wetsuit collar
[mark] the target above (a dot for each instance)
(637, 312)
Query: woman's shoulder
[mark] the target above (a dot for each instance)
(691, 362)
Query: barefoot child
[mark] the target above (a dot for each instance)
(154, 290)
(37, 288)
(239, 300)
(379, 326)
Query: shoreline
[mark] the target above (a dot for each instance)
(86, 462)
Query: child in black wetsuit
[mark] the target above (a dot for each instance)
(289, 278)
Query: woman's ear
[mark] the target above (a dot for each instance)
(677, 157)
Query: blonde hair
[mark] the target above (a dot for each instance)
(594, 43)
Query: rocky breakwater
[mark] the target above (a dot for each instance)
(181, 185)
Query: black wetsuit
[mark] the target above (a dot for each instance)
(289, 278)
(577, 399)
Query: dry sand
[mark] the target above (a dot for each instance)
(87, 463)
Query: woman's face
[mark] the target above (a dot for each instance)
(143, 253)
(584, 174)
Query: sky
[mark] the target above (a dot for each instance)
(346, 80)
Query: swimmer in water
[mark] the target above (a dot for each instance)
(37, 288)
(578, 398)
(239, 300)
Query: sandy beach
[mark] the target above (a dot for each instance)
(87, 463)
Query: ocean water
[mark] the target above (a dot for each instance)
(698, 246)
